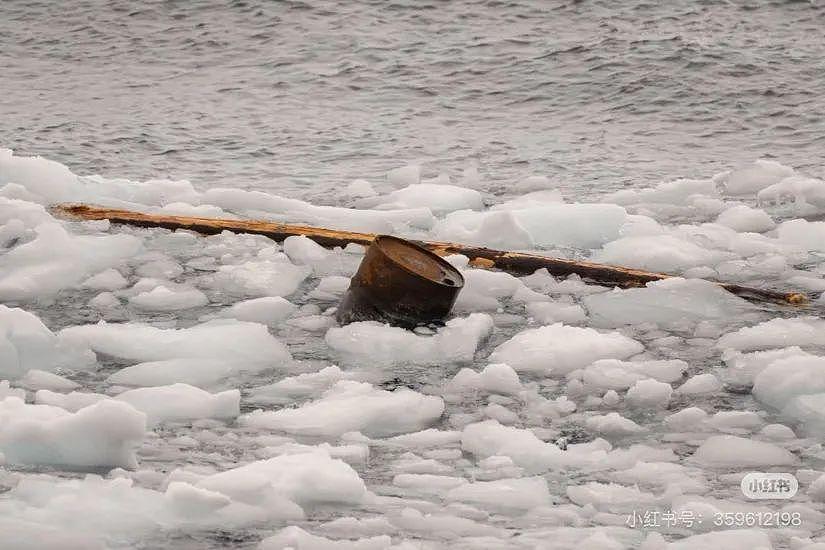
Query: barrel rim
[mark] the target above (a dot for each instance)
(444, 264)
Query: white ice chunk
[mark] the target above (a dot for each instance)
(427, 483)
(663, 253)
(671, 192)
(252, 347)
(669, 303)
(41, 380)
(802, 233)
(521, 493)
(172, 298)
(26, 343)
(649, 394)
(806, 193)
(609, 496)
(490, 438)
(104, 434)
(612, 374)
(743, 218)
(55, 260)
(297, 211)
(736, 420)
(776, 333)
(304, 251)
(191, 501)
(691, 419)
(752, 178)
(494, 229)
(108, 279)
(744, 367)
(425, 439)
(353, 406)
(443, 525)
(331, 288)
(377, 344)
(547, 313)
(612, 424)
(292, 388)
(50, 180)
(303, 478)
(700, 384)
(182, 402)
(269, 310)
(728, 451)
(495, 378)
(777, 432)
(559, 349)
(72, 402)
(575, 225)
(259, 278)
(438, 198)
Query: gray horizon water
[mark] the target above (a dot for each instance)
(301, 98)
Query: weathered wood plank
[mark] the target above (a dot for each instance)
(519, 263)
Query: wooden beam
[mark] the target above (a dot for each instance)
(518, 263)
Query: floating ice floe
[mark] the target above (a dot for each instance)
(292, 388)
(198, 355)
(163, 298)
(776, 333)
(55, 259)
(559, 349)
(39, 380)
(743, 218)
(440, 199)
(105, 434)
(376, 344)
(660, 253)
(496, 378)
(269, 310)
(729, 451)
(613, 374)
(350, 406)
(806, 194)
(751, 179)
(575, 225)
(649, 394)
(802, 233)
(26, 344)
(548, 313)
(669, 303)
(304, 479)
(297, 211)
(182, 402)
(72, 401)
(256, 278)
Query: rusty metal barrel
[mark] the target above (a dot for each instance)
(400, 283)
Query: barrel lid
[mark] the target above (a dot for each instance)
(419, 261)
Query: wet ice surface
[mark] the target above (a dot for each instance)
(168, 389)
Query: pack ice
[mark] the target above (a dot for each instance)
(164, 389)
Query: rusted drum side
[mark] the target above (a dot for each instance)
(402, 284)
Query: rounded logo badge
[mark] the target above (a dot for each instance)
(769, 486)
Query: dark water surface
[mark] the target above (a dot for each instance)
(303, 97)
